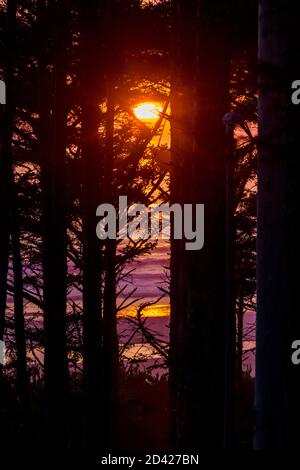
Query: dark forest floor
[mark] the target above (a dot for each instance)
(142, 423)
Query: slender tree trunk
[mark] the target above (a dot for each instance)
(6, 176)
(53, 154)
(10, 226)
(92, 169)
(198, 278)
(110, 337)
(278, 322)
(240, 330)
(22, 375)
(230, 320)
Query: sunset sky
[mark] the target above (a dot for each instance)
(150, 271)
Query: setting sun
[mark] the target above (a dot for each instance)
(147, 111)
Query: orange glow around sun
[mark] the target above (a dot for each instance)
(147, 111)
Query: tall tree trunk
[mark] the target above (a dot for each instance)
(92, 165)
(240, 331)
(198, 277)
(22, 375)
(6, 176)
(110, 337)
(8, 197)
(278, 321)
(53, 154)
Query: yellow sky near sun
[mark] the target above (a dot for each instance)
(148, 111)
(156, 310)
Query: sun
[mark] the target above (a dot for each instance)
(147, 111)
